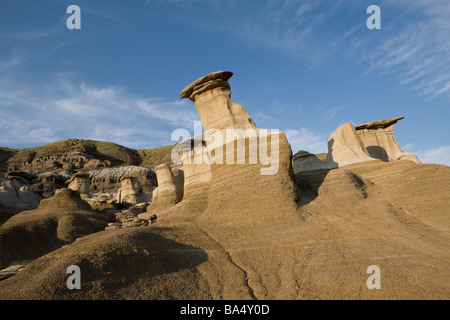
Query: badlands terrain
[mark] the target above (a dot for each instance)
(140, 225)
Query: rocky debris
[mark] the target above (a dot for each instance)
(82, 183)
(43, 183)
(71, 161)
(54, 177)
(379, 140)
(10, 271)
(104, 203)
(131, 218)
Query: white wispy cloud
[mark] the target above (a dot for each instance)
(16, 58)
(31, 115)
(439, 155)
(305, 139)
(414, 48)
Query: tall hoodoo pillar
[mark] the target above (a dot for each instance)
(212, 97)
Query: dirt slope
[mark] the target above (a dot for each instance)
(393, 215)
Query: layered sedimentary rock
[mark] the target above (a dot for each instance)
(107, 180)
(346, 147)
(211, 95)
(169, 190)
(379, 140)
(81, 182)
(367, 142)
(223, 168)
(129, 190)
(197, 173)
(238, 157)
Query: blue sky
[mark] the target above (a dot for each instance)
(303, 67)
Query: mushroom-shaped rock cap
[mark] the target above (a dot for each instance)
(211, 81)
(80, 174)
(378, 124)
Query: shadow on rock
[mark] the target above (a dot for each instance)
(139, 264)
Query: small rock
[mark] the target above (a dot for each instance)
(10, 271)
(112, 228)
(114, 224)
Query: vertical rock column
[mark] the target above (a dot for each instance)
(169, 191)
(251, 170)
(130, 190)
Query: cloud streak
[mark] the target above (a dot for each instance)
(415, 48)
(305, 139)
(32, 116)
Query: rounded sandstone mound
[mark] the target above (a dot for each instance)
(343, 183)
(66, 199)
(149, 263)
(58, 221)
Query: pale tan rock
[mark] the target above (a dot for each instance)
(11, 271)
(238, 158)
(211, 95)
(196, 171)
(25, 194)
(169, 190)
(107, 180)
(112, 228)
(379, 140)
(80, 182)
(129, 191)
(16, 197)
(346, 147)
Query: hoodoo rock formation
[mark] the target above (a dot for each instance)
(379, 140)
(239, 218)
(235, 157)
(81, 182)
(348, 145)
(211, 95)
(169, 190)
(131, 192)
